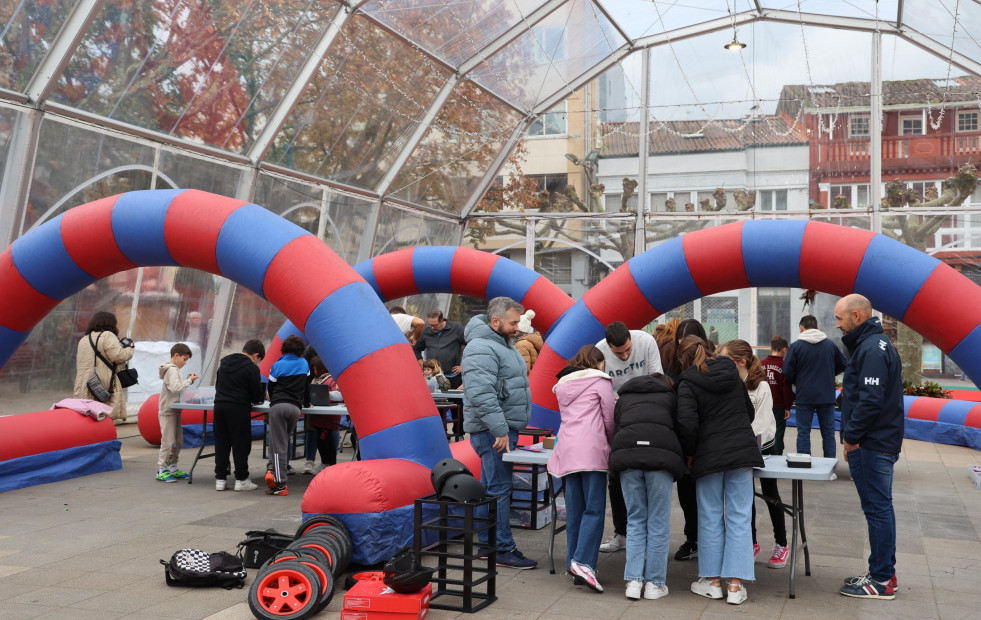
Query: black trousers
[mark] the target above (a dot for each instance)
(689, 506)
(456, 381)
(777, 516)
(233, 435)
(617, 505)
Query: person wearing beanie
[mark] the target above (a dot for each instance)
(529, 345)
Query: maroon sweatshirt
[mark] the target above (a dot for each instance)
(783, 393)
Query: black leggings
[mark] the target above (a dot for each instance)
(233, 434)
(777, 516)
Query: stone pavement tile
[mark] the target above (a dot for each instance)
(124, 600)
(956, 612)
(79, 614)
(102, 580)
(966, 596)
(677, 604)
(241, 611)
(950, 527)
(9, 569)
(589, 605)
(197, 603)
(22, 611)
(54, 596)
(944, 548)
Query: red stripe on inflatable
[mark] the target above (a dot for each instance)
(377, 400)
(87, 234)
(926, 409)
(715, 258)
(548, 301)
(47, 431)
(273, 353)
(542, 378)
(194, 220)
(972, 395)
(366, 486)
(830, 257)
(470, 272)
(620, 299)
(23, 306)
(973, 418)
(945, 310)
(288, 284)
(464, 452)
(393, 274)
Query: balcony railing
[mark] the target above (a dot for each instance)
(906, 150)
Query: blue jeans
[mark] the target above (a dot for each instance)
(585, 506)
(648, 498)
(496, 476)
(872, 472)
(725, 539)
(826, 420)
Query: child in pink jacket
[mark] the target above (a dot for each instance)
(581, 457)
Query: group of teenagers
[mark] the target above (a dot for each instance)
(695, 414)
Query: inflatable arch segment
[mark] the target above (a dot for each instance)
(923, 292)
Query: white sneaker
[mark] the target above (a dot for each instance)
(736, 596)
(633, 590)
(245, 485)
(711, 588)
(653, 592)
(309, 468)
(588, 575)
(220, 484)
(834, 476)
(614, 543)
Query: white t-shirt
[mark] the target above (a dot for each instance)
(644, 358)
(404, 321)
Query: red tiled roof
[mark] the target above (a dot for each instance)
(620, 139)
(899, 92)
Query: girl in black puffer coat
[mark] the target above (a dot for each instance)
(647, 455)
(715, 418)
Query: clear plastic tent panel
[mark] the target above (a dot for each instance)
(360, 109)
(887, 9)
(639, 18)
(177, 170)
(398, 229)
(555, 51)
(470, 130)
(27, 29)
(449, 29)
(935, 18)
(209, 72)
(8, 118)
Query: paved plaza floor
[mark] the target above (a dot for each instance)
(90, 548)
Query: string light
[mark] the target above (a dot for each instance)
(950, 61)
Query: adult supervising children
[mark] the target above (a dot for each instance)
(443, 341)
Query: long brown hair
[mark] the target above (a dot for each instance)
(587, 357)
(740, 350)
(693, 351)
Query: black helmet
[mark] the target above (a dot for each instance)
(403, 575)
(462, 488)
(444, 469)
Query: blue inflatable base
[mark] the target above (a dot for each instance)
(28, 471)
(192, 434)
(942, 432)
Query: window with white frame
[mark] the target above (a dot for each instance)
(967, 121)
(772, 200)
(551, 123)
(858, 126)
(856, 194)
(911, 125)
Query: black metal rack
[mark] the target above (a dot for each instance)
(535, 503)
(457, 549)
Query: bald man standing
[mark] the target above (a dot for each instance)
(872, 433)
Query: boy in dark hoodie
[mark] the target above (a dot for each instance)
(237, 387)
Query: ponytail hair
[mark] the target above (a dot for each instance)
(740, 350)
(693, 351)
(587, 357)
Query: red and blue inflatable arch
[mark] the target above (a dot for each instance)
(923, 292)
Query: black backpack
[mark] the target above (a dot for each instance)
(260, 545)
(197, 569)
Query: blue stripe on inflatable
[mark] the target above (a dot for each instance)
(578, 327)
(10, 340)
(138, 226)
(891, 275)
(771, 252)
(34, 469)
(431, 268)
(663, 277)
(345, 336)
(965, 355)
(249, 240)
(366, 270)
(288, 329)
(376, 536)
(542, 417)
(41, 258)
(509, 279)
(422, 441)
(955, 411)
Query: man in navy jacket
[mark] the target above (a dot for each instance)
(811, 364)
(872, 433)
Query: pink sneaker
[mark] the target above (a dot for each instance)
(587, 574)
(756, 549)
(778, 559)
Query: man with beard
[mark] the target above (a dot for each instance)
(496, 405)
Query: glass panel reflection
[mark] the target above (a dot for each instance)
(27, 29)
(186, 172)
(398, 229)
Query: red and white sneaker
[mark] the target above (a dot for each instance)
(778, 559)
(587, 574)
(756, 549)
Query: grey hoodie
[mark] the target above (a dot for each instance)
(173, 385)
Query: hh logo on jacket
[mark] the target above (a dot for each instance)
(871, 380)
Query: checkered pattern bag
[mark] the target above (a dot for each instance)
(196, 568)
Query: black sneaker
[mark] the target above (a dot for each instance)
(279, 489)
(687, 551)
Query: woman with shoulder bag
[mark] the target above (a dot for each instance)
(102, 336)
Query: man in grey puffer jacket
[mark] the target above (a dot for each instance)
(497, 404)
